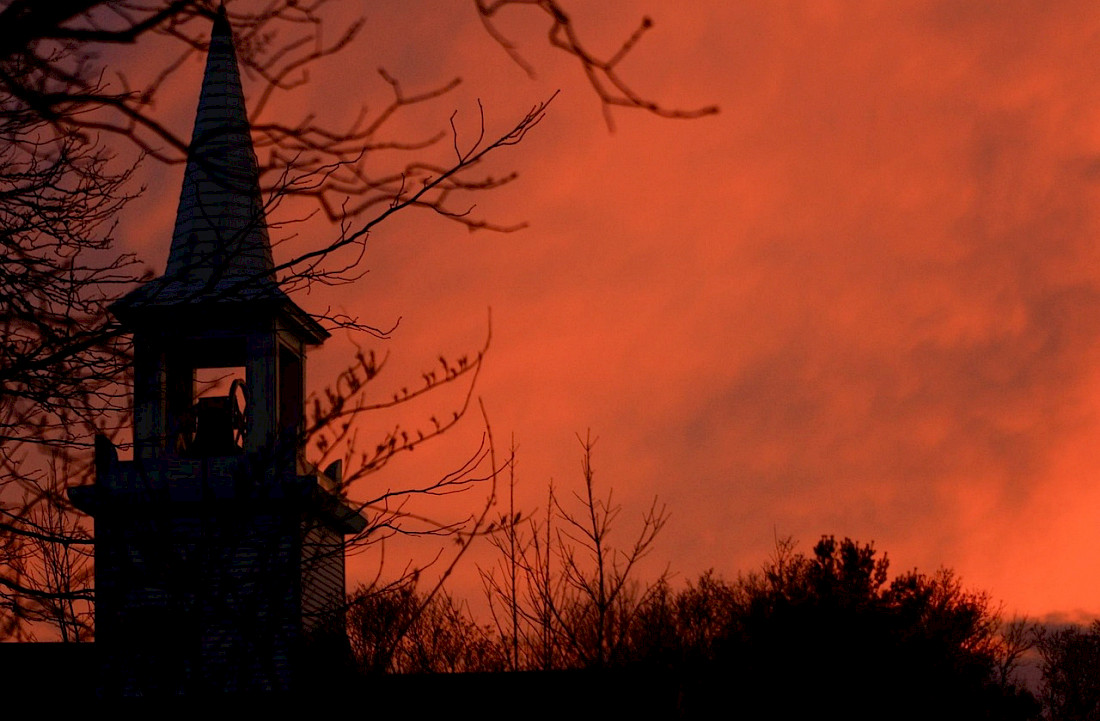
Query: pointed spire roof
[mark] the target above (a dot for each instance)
(220, 236)
(220, 250)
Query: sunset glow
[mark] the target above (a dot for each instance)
(863, 300)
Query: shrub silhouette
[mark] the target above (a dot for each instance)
(828, 634)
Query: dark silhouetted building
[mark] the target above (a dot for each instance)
(219, 551)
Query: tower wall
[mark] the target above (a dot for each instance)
(198, 584)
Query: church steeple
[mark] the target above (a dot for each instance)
(218, 534)
(220, 251)
(218, 304)
(220, 239)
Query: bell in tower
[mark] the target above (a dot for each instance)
(219, 551)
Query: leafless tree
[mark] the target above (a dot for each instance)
(1070, 656)
(61, 366)
(65, 125)
(279, 41)
(577, 596)
(1013, 641)
(395, 629)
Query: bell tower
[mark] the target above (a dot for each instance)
(219, 551)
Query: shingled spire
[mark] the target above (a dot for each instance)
(220, 240)
(220, 249)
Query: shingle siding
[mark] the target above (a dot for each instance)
(199, 602)
(323, 585)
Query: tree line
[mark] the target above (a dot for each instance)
(809, 632)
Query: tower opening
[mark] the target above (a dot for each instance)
(219, 410)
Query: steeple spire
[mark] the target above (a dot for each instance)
(220, 252)
(220, 243)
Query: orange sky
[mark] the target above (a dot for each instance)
(863, 300)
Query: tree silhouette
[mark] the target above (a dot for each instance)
(564, 595)
(61, 369)
(805, 636)
(1071, 672)
(827, 633)
(397, 629)
(63, 360)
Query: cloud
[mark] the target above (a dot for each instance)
(863, 300)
